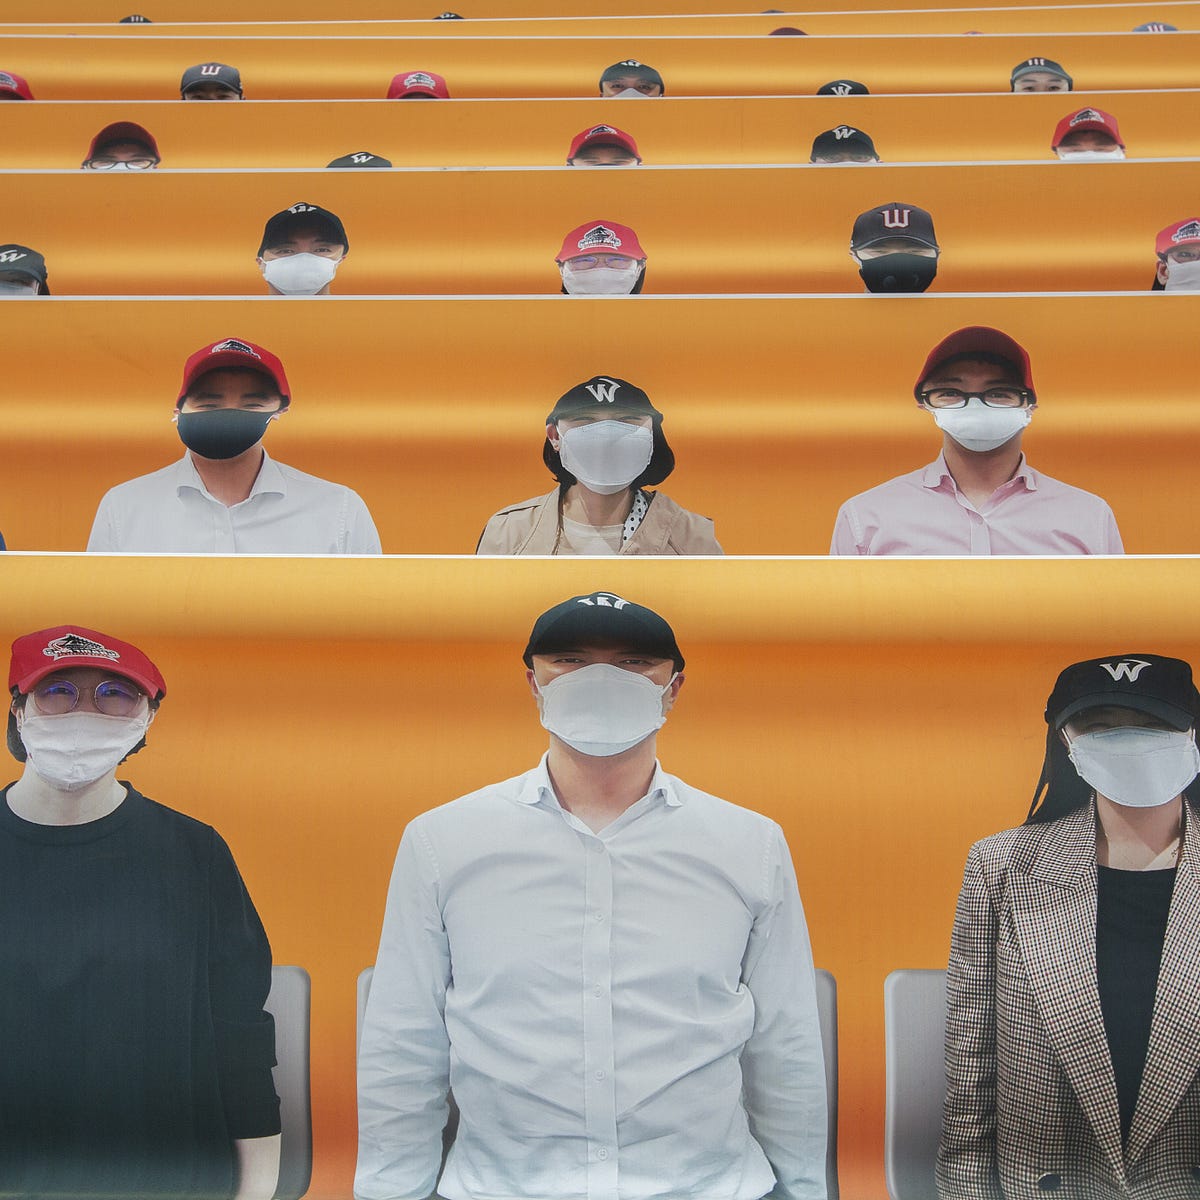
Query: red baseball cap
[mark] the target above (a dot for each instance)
(978, 339)
(15, 85)
(122, 131)
(417, 83)
(233, 352)
(36, 655)
(1182, 233)
(600, 237)
(603, 135)
(1087, 118)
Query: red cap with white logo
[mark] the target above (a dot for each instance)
(37, 655)
(600, 237)
(1087, 118)
(978, 339)
(1182, 233)
(603, 135)
(15, 85)
(417, 83)
(233, 352)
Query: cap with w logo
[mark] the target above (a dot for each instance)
(602, 392)
(895, 220)
(226, 76)
(37, 655)
(1148, 683)
(20, 260)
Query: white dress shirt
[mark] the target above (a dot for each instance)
(287, 512)
(621, 1015)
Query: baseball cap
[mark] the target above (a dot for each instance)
(15, 85)
(843, 137)
(121, 131)
(602, 617)
(600, 237)
(605, 392)
(631, 66)
(447, 16)
(895, 220)
(843, 87)
(233, 352)
(417, 83)
(135, 19)
(1149, 683)
(36, 655)
(278, 227)
(1087, 118)
(603, 135)
(787, 31)
(1032, 66)
(1155, 27)
(978, 339)
(227, 77)
(361, 158)
(1182, 233)
(20, 260)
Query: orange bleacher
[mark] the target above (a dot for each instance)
(116, 67)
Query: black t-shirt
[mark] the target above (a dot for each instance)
(134, 968)
(1131, 923)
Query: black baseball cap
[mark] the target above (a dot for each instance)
(228, 77)
(135, 19)
(631, 66)
(361, 158)
(1032, 66)
(842, 137)
(20, 260)
(602, 617)
(303, 214)
(843, 87)
(894, 220)
(1149, 683)
(607, 391)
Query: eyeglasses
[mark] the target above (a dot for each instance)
(997, 397)
(590, 262)
(112, 697)
(129, 164)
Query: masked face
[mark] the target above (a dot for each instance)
(18, 289)
(606, 456)
(1116, 154)
(303, 263)
(908, 268)
(980, 428)
(226, 412)
(601, 709)
(600, 275)
(1181, 276)
(1136, 766)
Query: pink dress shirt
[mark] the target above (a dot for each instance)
(925, 513)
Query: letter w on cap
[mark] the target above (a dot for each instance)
(605, 392)
(211, 69)
(8, 256)
(1130, 669)
(895, 218)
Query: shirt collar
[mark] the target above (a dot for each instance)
(537, 788)
(937, 475)
(269, 480)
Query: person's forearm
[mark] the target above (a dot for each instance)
(257, 1167)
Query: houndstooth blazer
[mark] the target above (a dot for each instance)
(1031, 1101)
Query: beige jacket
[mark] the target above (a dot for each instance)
(534, 527)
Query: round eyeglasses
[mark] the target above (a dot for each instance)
(128, 164)
(112, 697)
(997, 397)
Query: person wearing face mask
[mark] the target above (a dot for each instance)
(1073, 1030)
(22, 273)
(1088, 135)
(631, 80)
(227, 495)
(137, 1057)
(979, 496)
(601, 258)
(301, 250)
(1178, 250)
(631, 1010)
(895, 248)
(122, 146)
(604, 445)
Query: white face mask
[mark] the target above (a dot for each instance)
(1182, 277)
(630, 94)
(601, 710)
(1136, 767)
(72, 750)
(606, 456)
(978, 427)
(300, 274)
(600, 281)
(10, 289)
(1075, 156)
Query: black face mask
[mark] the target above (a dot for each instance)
(221, 432)
(898, 273)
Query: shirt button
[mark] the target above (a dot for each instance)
(599, 916)
(1050, 1182)
(598, 847)
(602, 1154)
(600, 1074)
(597, 990)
